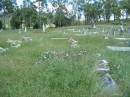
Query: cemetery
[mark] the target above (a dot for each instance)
(50, 52)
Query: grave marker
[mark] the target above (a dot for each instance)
(129, 30)
(116, 48)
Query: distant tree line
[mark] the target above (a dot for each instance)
(34, 16)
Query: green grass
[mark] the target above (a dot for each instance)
(20, 76)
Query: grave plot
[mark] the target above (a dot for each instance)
(60, 54)
(122, 38)
(27, 39)
(73, 43)
(3, 50)
(84, 32)
(59, 38)
(14, 43)
(105, 80)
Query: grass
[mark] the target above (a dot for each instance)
(20, 76)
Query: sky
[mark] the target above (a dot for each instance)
(19, 2)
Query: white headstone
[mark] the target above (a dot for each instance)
(43, 28)
(25, 29)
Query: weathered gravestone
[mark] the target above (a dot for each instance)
(121, 29)
(93, 23)
(73, 43)
(102, 66)
(43, 28)
(129, 30)
(108, 82)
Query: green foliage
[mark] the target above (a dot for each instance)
(61, 19)
(16, 20)
(29, 15)
(7, 6)
(92, 11)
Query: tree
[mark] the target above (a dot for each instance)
(59, 17)
(91, 12)
(41, 5)
(107, 9)
(1, 25)
(125, 5)
(16, 19)
(28, 15)
(7, 7)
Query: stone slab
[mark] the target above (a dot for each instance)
(116, 48)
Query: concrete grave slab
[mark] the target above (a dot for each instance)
(27, 39)
(122, 38)
(3, 50)
(59, 38)
(116, 48)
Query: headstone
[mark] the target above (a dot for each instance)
(121, 29)
(108, 82)
(25, 29)
(102, 66)
(93, 23)
(129, 30)
(1, 30)
(43, 28)
(113, 30)
(129, 43)
(73, 43)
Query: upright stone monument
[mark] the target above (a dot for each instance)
(122, 29)
(24, 28)
(43, 28)
(128, 29)
(93, 23)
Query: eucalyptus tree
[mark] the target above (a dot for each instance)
(107, 9)
(7, 7)
(42, 4)
(60, 12)
(116, 9)
(77, 9)
(92, 11)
